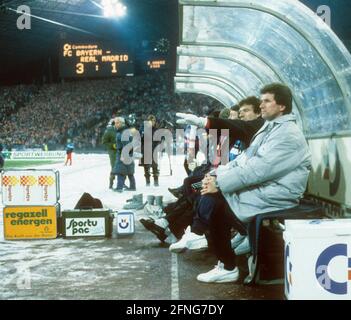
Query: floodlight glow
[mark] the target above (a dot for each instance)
(120, 10)
(113, 8)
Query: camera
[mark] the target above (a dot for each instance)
(197, 186)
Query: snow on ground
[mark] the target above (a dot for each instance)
(138, 267)
(90, 173)
(46, 269)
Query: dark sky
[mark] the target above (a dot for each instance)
(28, 51)
(340, 15)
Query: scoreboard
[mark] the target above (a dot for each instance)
(153, 61)
(156, 64)
(94, 60)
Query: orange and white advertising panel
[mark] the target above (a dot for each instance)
(29, 187)
(30, 222)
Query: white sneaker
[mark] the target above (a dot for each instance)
(189, 241)
(219, 275)
(243, 247)
(238, 238)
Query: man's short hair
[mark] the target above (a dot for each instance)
(282, 95)
(224, 114)
(252, 101)
(236, 108)
(151, 117)
(120, 119)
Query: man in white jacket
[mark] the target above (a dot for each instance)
(270, 175)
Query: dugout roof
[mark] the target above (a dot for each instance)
(231, 48)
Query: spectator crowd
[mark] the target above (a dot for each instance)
(50, 114)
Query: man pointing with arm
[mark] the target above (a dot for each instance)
(270, 175)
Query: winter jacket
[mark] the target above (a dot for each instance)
(240, 135)
(238, 129)
(69, 148)
(271, 174)
(109, 141)
(123, 166)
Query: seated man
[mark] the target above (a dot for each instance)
(178, 220)
(240, 130)
(270, 175)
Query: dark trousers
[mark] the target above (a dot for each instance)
(122, 178)
(204, 210)
(155, 171)
(214, 214)
(180, 214)
(68, 158)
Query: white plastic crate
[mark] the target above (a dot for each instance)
(30, 187)
(318, 259)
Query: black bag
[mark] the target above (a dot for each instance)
(86, 201)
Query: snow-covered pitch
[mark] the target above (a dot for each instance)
(44, 269)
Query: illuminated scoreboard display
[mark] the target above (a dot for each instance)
(156, 64)
(94, 60)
